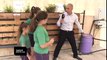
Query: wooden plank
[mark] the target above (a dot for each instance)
(9, 34)
(53, 15)
(52, 21)
(7, 28)
(53, 18)
(7, 22)
(75, 26)
(2, 16)
(52, 27)
(76, 31)
(24, 15)
(78, 14)
(56, 37)
(10, 41)
(7, 37)
(53, 32)
(6, 16)
(10, 16)
(1, 35)
(6, 19)
(77, 36)
(23, 19)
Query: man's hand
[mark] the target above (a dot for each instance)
(61, 21)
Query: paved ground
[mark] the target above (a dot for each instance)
(66, 54)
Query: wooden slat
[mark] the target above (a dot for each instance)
(6, 16)
(53, 32)
(24, 15)
(77, 36)
(7, 22)
(8, 37)
(8, 28)
(6, 42)
(75, 26)
(1, 35)
(53, 18)
(1, 32)
(6, 19)
(56, 37)
(52, 27)
(52, 21)
(8, 34)
(23, 19)
(8, 25)
(53, 15)
(78, 14)
(76, 31)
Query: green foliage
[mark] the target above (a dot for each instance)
(8, 9)
(27, 10)
(64, 7)
(51, 8)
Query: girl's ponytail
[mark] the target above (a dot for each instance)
(20, 30)
(34, 22)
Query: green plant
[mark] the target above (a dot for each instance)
(51, 8)
(27, 10)
(8, 9)
(64, 7)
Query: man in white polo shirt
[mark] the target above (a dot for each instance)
(66, 22)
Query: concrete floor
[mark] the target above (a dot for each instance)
(65, 54)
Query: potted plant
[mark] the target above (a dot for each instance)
(52, 18)
(24, 15)
(64, 7)
(8, 9)
(51, 8)
(27, 9)
(8, 12)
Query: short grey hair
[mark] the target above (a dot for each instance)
(70, 4)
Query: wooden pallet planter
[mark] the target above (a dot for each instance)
(9, 28)
(9, 24)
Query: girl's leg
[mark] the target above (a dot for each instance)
(24, 58)
(46, 56)
(29, 53)
(32, 54)
(42, 56)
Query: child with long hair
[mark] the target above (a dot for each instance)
(34, 11)
(41, 38)
(24, 40)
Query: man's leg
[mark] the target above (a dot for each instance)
(71, 39)
(61, 41)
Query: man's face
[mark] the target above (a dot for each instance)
(69, 8)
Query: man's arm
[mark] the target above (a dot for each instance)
(60, 21)
(78, 25)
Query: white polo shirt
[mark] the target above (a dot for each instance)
(69, 21)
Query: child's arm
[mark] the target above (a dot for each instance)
(22, 42)
(47, 44)
(40, 36)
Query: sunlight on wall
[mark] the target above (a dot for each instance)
(91, 6)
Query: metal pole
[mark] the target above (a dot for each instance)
(83, 19)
